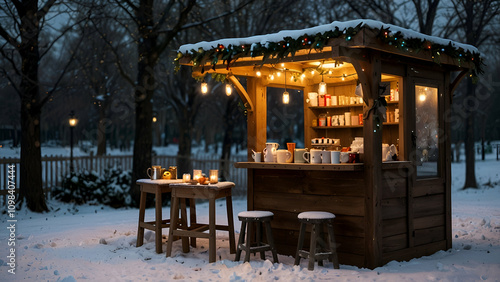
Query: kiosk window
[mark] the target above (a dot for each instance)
(285, 122)
(427, 131)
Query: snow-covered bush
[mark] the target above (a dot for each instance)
(110, 188)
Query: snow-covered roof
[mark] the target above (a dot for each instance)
(280, 36)
(284, 43)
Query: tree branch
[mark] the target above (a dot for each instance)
(45, 9)
(8, 38)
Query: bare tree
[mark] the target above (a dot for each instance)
(24, 22)
(473, 20)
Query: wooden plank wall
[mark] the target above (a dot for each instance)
(287, 194)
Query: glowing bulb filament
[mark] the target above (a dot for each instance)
(229, 89)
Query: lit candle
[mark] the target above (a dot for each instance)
(214, 176)
(196, 174)
(186, 177)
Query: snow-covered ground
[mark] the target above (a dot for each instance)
(97, 243)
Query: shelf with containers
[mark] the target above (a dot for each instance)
(330, 121)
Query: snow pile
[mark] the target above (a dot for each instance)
(280, 36)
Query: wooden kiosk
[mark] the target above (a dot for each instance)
(385, 210)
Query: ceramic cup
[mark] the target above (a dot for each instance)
(344, 157)
(257, 157)
(326, 157)
(313, 157)
(298, 156)
(283, 155)
(335, 157)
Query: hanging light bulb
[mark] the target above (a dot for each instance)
(343, 77)
(286, 95)
(258, 73)
(229, 89)
(271, 76)
(204, 87)
(322, 87)
(422, 97)
(278, 74)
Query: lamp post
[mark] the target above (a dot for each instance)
(72, 123)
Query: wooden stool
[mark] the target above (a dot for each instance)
(317, 219)
(196, 230)
(259, 218)
(156, 187)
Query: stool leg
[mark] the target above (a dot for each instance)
(259, 239)
(240, 240)
(158, 219)
(248, 242)
(312, 251)
(230, 224)
(142, 213)
(270, 240)
(211, 228)
(300, 243)
(174, 217)
(333, 247)
(185, 240)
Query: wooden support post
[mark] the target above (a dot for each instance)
(369, 73)
(256, 119)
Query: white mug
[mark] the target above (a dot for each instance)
(313, 157)
(335, 157)
(326, 157)
(257, 157)
(283, 155)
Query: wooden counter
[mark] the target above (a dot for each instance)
(289, 189)
(294, 166)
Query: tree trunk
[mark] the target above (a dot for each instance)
(31, 185)
(184, 164)
(145, 86)
(229, 122)
(101, 133)
(470, 169)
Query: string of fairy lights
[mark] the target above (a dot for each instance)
(275, 72)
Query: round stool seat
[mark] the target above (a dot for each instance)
(255, 214)
(316, 215)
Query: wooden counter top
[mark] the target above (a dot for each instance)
(294, 166)
(306, 166)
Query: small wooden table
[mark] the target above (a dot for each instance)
(156, 187)
(196, 230)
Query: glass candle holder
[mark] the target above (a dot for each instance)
(186, 177)
(214, 176)
(196, 174)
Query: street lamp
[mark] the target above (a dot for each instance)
(72, 123)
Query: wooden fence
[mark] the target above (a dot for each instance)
(54, 168)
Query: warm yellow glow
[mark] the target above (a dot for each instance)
(422, 97)
(322, 88)
(204, 87)
(73, 121)
(278, 74)
(258, 73)
(286, 97)
(155, 119)
(330, 72)
(303, 75)
(282, 65)
(312, 72)
(331, 65)
(271, 76)
(343, 77)
(229, 89)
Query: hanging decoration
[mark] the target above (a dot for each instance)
(286, 95)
